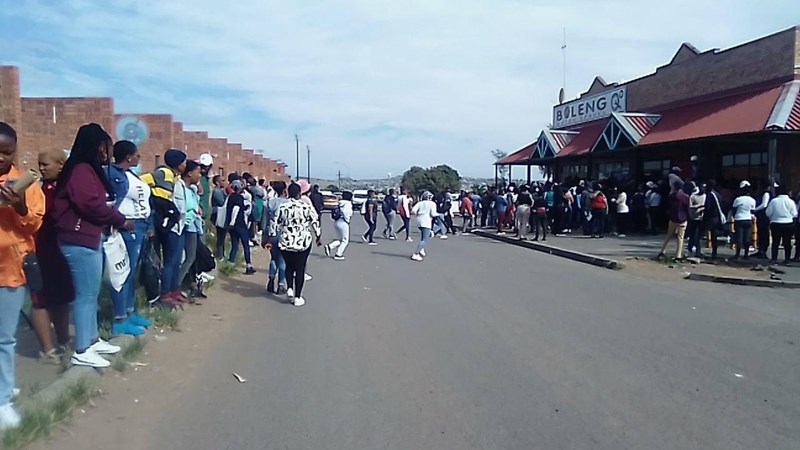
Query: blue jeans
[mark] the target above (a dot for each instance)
(86, 267)
(277, 265)
(124, 300)
(172, 247)
(240, 235)
(11, 300)
(438, 226)
(425, 236)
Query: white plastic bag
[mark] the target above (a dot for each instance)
(118, 264)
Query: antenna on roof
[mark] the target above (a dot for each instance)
(564, 62)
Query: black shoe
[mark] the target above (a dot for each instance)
(271, 285)
(281, 289)
(250, 271)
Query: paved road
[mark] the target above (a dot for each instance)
(490, 346)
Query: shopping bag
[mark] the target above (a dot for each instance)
(118, 263)
(150, 271)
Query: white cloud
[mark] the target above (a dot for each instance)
(462, 77)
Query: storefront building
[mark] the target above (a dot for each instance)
(737, 111)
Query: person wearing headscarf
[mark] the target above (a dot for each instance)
(425, 212)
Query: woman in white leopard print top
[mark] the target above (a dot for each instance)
(297, 224)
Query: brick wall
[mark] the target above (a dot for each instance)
(160, 135)
(691, 75)
(51, 123)
(195, 143)
(232, 161)
(10, 104)
(177, 136)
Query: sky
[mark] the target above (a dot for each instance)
(371, 86)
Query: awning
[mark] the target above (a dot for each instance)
(735, 114)
(551, 142)
(583, 142)
(520, 157)
(786, 114)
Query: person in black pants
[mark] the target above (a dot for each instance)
(371, 217)
(539, 215)
(712, 216)
(782, 213)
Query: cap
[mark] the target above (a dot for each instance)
(693, 158)
(174, 158)
(650, 184)
(206, 160)
(304, 186)
(744, 184)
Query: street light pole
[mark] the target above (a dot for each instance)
(308, 162)
(297, 156)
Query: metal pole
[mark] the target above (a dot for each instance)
(339, 176)
(308, 162)
(495, 176)
(297, 156)
(772, 160)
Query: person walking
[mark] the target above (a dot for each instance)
(341, 216)
(83, 206)
(132, 196)
(424, 212)
(762, 221)
(389, 208)
(539, 215)
(239, 226)
(370, 211)
(741, 214)
(297, 224)
(466, 209)
(404, 204)
(277, 265)
(782, 213)
(697, 204)
(501, 209)
(317, 199)
(678, 203)
(20, 218)
(524, 205)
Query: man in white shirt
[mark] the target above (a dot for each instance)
(782, 212)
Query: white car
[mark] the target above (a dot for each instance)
(359, 197)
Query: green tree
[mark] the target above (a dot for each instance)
(332, 188)
(502, 171)
(435, 179)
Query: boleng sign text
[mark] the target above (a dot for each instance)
(591, 108)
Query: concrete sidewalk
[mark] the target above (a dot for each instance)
(648, 246)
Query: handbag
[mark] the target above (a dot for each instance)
(33, 272)
(118, 263)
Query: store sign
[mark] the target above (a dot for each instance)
(591, 108)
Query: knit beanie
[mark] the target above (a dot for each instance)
(173, 158)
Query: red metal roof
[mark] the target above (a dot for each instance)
(519, 157)
(583, 142)
(794, 117)
(735, 114)
(642, 123)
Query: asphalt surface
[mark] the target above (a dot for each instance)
(486, 345)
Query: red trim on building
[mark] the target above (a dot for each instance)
(793, 123)
(736, 114)
(583, 142)
(521, 156)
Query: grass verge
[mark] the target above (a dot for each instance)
(38, 420)
(128, 353)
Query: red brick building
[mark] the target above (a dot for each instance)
(737, 110)
(51, 123)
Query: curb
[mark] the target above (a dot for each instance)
(53, 391)
(568, 254)
(743, 281)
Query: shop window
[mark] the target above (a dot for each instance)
(743, 166)
(660, 166)
(727, 161)
(615, 170)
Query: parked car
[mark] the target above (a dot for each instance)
(329, 200)
(359, 197)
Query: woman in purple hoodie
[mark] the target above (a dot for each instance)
(82, 209)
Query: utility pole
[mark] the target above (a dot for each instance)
(297, 156)
(339, 176)
(564, 61)
(308, 162)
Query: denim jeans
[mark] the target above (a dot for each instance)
(342, 237)
(240, 235)
(172, 246)
(438, 226)
(743, 230)
(190, 252)
(389, 216)
(406, 226)
(277, 265)
(125, 299)
(425, 237)
(86, 267)
(370, 233)
(11, 300)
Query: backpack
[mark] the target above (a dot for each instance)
(599, 201)
(336, 214)
(364, 208)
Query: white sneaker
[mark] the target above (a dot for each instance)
(338, 258)
(372, 244)
(290, 293)
(299, 301)
(307, 277)
(89, 358)
(206, 277)
(15, 392)
(621, 236)
(102, 347)
(422, 253)
(409, 240)
(443, 237)
(9, 417)
(364, 239)
(416, 257)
